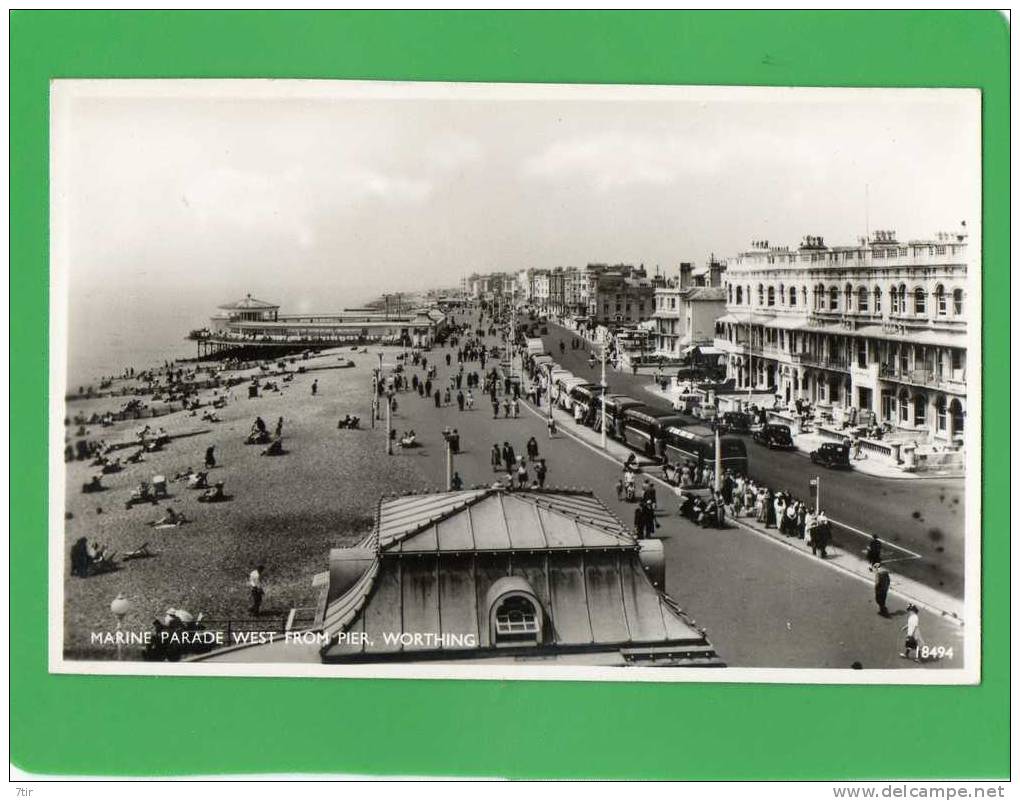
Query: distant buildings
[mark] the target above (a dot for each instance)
(877, 329)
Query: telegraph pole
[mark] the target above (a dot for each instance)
(718, 458)
(389, 424)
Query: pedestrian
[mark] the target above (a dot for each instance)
(873, 554)
(437, 399)
(470, 400)
(551, 426)
(913, 640)
(210, 457)
(821, 536)
(279, 427)
(522, 473)
(509, 457)
(495, 408)
(619, 488)
(496, 458)
(882, 582)
(532, 448)
(515, 406)
(540, 471)
(640, 513)
(460, 400)
(456, 482)
(506, 407)
(255, 590)
(315, 387)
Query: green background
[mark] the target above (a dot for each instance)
(136, 725)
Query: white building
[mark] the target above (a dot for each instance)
(685, 317)
(880, 326)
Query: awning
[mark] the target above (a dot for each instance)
(745, 319)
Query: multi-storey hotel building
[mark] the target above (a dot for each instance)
(880, 327)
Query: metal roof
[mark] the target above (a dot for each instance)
(248, 303)
(497, 520)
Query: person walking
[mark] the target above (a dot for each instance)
(874, 551)
(882, 582)
(913, 640)
(540, 472)
(640, 514)
(821, 536)
(460, 400)
(315, 387)
(255, 589)
(522, 473)
(509, 457)
(210, 457)
(279, 427)
(456, 483)
(437, 399)
(496, 458)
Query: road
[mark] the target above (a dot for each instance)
(763, 605)
(922, 520)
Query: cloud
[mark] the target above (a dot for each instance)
(453, 152)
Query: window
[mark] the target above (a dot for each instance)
(919, 304)
(793, 296)
(940, 413)
(740, 295)
(833, 298)
(516, 620)
(803, 296)
(920, 406)
(729, 293)
(894, 301)
(956, 412)
(904, 406)
(940, 300)
(903, 298)
(957, 358)
(848, 293)
(957, 302)
(772, 296)
(782, 294)
(761, 295)
(862, 299)
(878, 299)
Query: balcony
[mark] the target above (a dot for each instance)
(922, 377)
(808, 359)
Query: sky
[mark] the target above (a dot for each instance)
(321, 194)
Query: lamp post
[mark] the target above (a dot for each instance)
(718, 457)
(120, 606)
(604, 388)
(389, 423)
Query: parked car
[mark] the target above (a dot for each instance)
(774, 436)
(832, 454)
(735, 422)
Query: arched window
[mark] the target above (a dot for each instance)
(894, 300)
(803, 296)
(956, 412)
(782, 294)
(516, 620)
(904, 399)
(740, 295)
(729, 293)
(940, 300)
(772, 296)
(919, 304)
(940, 413)
(862, 299)
(957, 302)
(920, 407)
(761, 295)
(903, 298)
(515, 613)
(833, 298)
(878, 299)
(793, 296)
(848, 292)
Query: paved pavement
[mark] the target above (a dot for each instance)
(763, 604)
(920, 519)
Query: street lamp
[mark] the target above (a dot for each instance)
(604, 387)
(120, 606)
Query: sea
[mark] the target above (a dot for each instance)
(111, 329)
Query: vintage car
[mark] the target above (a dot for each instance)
(735, 422)
(832, 454)
(774, 436)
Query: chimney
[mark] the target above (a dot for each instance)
(715, 271)
(686, 269)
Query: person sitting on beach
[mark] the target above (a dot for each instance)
(408, 440)
(183, 475)
(171, 518)
(136, 457)
(213, 495)
(211, 417)
(94, 485)
(142, 494)
(275, 448)
(199, 480)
